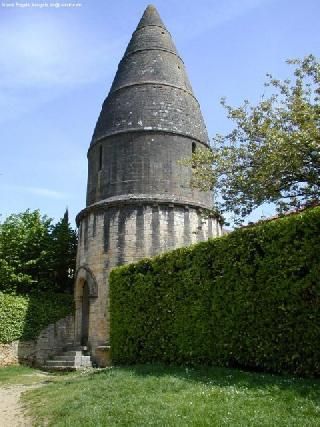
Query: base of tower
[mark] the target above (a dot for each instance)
(111, 235)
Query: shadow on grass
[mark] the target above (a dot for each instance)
(228, 377)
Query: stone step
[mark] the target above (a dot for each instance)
(77, 359)
(66, 357)
(76, 364)
(76, 348)
(72, 353)
(69, 360)
(60, 363)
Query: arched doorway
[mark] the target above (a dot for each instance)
(85, 314)
(86, 292)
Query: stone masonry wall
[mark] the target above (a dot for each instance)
(17, 352)
(50, 341)
(142, 163)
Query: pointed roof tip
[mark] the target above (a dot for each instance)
(150, 17)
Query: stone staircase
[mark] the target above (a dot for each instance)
(70, 360)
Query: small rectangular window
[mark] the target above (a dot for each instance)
(100, 157)
(194, 147)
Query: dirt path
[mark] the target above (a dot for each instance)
(11, 409)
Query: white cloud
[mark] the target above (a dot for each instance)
(46, 192)
(39, 53)
(40, 59)
(212, 14)
(15, 102)
(37, 191)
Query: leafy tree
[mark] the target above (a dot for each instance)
(63, 251)
(24, 250)
(35, 255)
(272, 154)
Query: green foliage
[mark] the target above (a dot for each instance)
(248, 299)
(63, 250)
(19, 374)
(23, 317)
(273, 153)
(24, 249)
(36, 255)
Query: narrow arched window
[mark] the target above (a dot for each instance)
(194, 146)
(100, 157)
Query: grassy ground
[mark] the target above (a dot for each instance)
(23, 375)
(164, 396)
(17, 374)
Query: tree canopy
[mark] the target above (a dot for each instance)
(36, 255)
(272, 154)
(63, 254)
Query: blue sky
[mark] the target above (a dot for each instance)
(57, 65)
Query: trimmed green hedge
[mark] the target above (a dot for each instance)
(248, 299)
(23, 317)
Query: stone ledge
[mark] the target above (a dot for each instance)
(150, 199)
(155, 129)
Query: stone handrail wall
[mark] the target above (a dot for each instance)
(50, 341)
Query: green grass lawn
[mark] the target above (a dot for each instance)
(168, 396)
(18, 374)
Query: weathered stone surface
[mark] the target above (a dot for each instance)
(69, 360)
(17, 352)
(54, 338)
(151, 90)
(151, 17)
(143, 163)
(50, 341)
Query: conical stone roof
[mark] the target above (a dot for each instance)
(150, 17)
(151, 90)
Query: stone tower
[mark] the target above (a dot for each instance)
(139, 199)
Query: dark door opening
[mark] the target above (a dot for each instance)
(85, 315)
